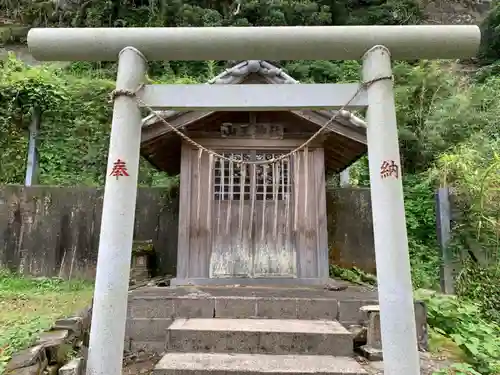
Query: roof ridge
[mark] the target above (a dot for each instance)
(244, 68)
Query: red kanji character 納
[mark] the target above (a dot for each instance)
(389, 168)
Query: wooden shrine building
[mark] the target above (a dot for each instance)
(252, 222)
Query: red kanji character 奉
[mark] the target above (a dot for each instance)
(389, 168)
(119, 169)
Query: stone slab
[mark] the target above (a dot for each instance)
(27, 357)
(169, 308)
(371, 353)
(74, 324)
(249, 364)
(54, 337)
(351, 292)
(233, 307)
(232, 301)
(30, 370)
(282, 281)
(277, 308)
(267, 336)
(374, 334)
(73, 367)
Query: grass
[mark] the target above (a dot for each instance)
(30, 306)
(442, 346)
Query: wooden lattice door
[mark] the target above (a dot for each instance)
(252, 218)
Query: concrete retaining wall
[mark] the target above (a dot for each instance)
(54, 231)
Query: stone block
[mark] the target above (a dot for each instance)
(74, 367)
(194, 307)
(151, 308)
(207, 341)
(314, 309)
(350, 313)
(236, 307)
(255, 364)
(267, 336)
(73, 324)
(303, 343)
(374, 334)
(422, 329)
(147, 329)
(372, 354)
(57, 344)
(35, 355)
(277, 308)
(53, 337)
(86, 316)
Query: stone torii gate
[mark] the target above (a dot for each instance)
(374, 44)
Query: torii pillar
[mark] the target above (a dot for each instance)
(374, 43)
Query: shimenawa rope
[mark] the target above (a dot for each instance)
(133, 94)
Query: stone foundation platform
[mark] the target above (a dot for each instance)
(248, 329)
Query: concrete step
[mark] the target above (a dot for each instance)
(266, 336)
(249, 364)
(336, 307)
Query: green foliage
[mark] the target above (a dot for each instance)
(472, 169)
(458, 369)
(490, 37)
(481, 284)
(108, 13)
(421, 227)
(324, 71)
(376, 12)
(199, 13)
(449, 136)
(461, 321)
(20, 90)
(448, 133)
(354, 275)
(74, 136)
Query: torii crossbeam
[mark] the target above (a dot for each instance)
(374, 44)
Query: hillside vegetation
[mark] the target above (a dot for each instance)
(448, 129)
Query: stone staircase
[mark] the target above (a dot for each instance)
(257, 346)
(245, 331)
